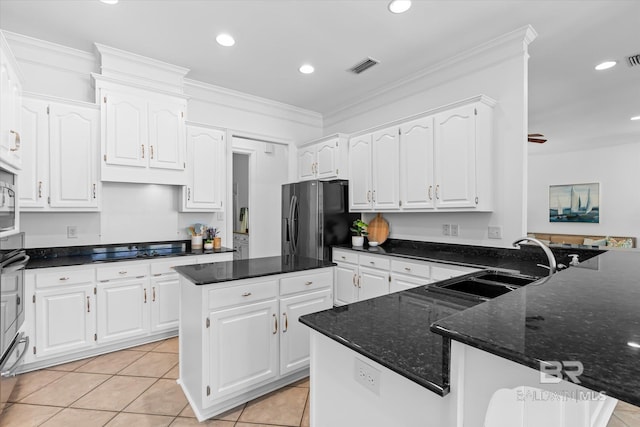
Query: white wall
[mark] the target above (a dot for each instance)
(497, 69)
(614, 167)
(133, 212)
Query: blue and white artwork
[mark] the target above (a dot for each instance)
(574, 203)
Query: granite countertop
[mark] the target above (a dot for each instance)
(203, 274)
(523, 260)
(586, 315)
(393, 331)
(92, 254)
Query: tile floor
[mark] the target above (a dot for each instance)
(137, 387)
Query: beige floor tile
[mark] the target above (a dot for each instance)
(26, 415)
(283, 407)
(174, 373)
(624, 406)
(33, 381)
(615, 422)
(302, 383)
(165, 397)
(632, 419)
(187, 422)
(79, 417)
(240, 424)
(66, 390)
(230, 415)
(71, 366)
(115, 393)
(305, 417)
(146, 347)
(139, 420)
(151, 365)
(187, 412)
(111, 363)
(167, 346)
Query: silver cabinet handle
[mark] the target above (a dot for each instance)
(94, 191)
(246, 294)
(153, 299)
(354, 279)
(63, 279)
(430, 189)
(151, 147)
(308, 283)
(407, 269)
(359, 282)
(372, 263)
(142, 150)
(368, 196)
(286, 323)
(17, 144)
(88, 305)
(343, 257)
(275, 328)
(438, 192)
(374, 196)
(188, 193)
(122, 272)
(145, 295)
(39, 189)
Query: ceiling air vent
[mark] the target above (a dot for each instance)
(363, 65)
(634, 60)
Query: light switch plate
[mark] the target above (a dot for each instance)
(72, 232)
(455, 230)
(446, 229)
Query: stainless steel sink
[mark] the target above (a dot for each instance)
(486, 284)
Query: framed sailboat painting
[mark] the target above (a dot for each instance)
(574, 203)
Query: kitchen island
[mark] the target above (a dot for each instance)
(368, 367)
(239, 332)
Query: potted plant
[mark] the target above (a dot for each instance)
(359, 229)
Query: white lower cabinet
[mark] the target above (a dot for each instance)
(65, 320)
(246, 340)
(165, 293)
(123, 309)
(346, 287)
(372, 283)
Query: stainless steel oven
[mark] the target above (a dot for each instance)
(8, 204)
(13, 342)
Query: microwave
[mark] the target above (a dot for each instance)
(9, 222)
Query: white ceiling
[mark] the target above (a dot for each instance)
(571, 103)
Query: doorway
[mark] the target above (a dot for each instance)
(241, 205)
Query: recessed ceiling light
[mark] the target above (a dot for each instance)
(606, 65)
(225, 40)
(399, 6)
(635, 118)
(633, 344)
(109, 1)
(307, 69)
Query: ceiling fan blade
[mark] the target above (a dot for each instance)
(537, 140)
(536, 134)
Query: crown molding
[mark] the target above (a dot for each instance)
(67, 101)
(49, 46)
(108, 51)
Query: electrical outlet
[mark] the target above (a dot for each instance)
(455, 230)
(495, 232)
(72, 232)
(367, 375)
(220, 216)
(446, 229)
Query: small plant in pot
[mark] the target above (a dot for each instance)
(359, 229)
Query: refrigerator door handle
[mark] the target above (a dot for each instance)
(293, 224)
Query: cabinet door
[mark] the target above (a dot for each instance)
(10, 105)
(123, 309)
(243, 348)
(416, 164)
(360, 173)
(373, 283)
(345, 283)
(385, 169)
(306, 163)
(401, 282)
(165, 302)
(73, 142)
(455, 158)
(65, 320)
(166, 135)
(126, 131)
(294, 339)
(34, 177)
(326, 163)
(206, 156)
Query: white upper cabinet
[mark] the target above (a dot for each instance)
(10, 106)
(323, 159)
(360, 188)
(416, 164)
(385, 169)
(206, 160)
(125, 129)
(73, 142)
(437, 160)
(166, 135)
(60, 157)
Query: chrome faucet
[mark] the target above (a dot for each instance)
(552, 260)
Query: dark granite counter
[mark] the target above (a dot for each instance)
(523, 260)
(586, 315)
(203, 274)
(90, 254)
(393, 331)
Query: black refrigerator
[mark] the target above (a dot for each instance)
(315, 216)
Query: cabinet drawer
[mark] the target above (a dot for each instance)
(64, 277)
(165, 267)
(243, 294)
(122, 272)
(345, 256)
(412, 268)
(375, 262)
(306, 282)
